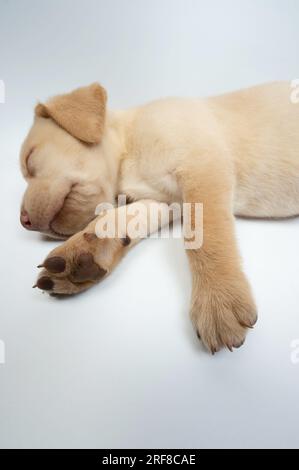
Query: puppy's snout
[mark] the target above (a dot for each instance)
(25, 220)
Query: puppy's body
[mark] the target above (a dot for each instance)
(256, 130)
(237, 153)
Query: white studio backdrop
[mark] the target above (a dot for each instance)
(120, 366)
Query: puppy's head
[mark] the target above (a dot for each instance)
(62, 163)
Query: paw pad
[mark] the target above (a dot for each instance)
(126, 240)
(55, 264)
(45, 283)
(90, 236)
(86, 269)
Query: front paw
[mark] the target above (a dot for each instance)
(222, 314)
(79, 263)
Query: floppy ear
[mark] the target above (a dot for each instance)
(81, 112)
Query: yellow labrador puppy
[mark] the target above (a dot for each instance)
(237, 154)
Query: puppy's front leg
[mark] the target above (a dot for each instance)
(222, 306)
(90, 255)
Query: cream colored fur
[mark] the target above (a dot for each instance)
(237, 154)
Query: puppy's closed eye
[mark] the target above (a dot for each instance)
(28, 163)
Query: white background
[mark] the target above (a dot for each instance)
(120, 366)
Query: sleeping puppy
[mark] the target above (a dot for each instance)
(236, 154)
